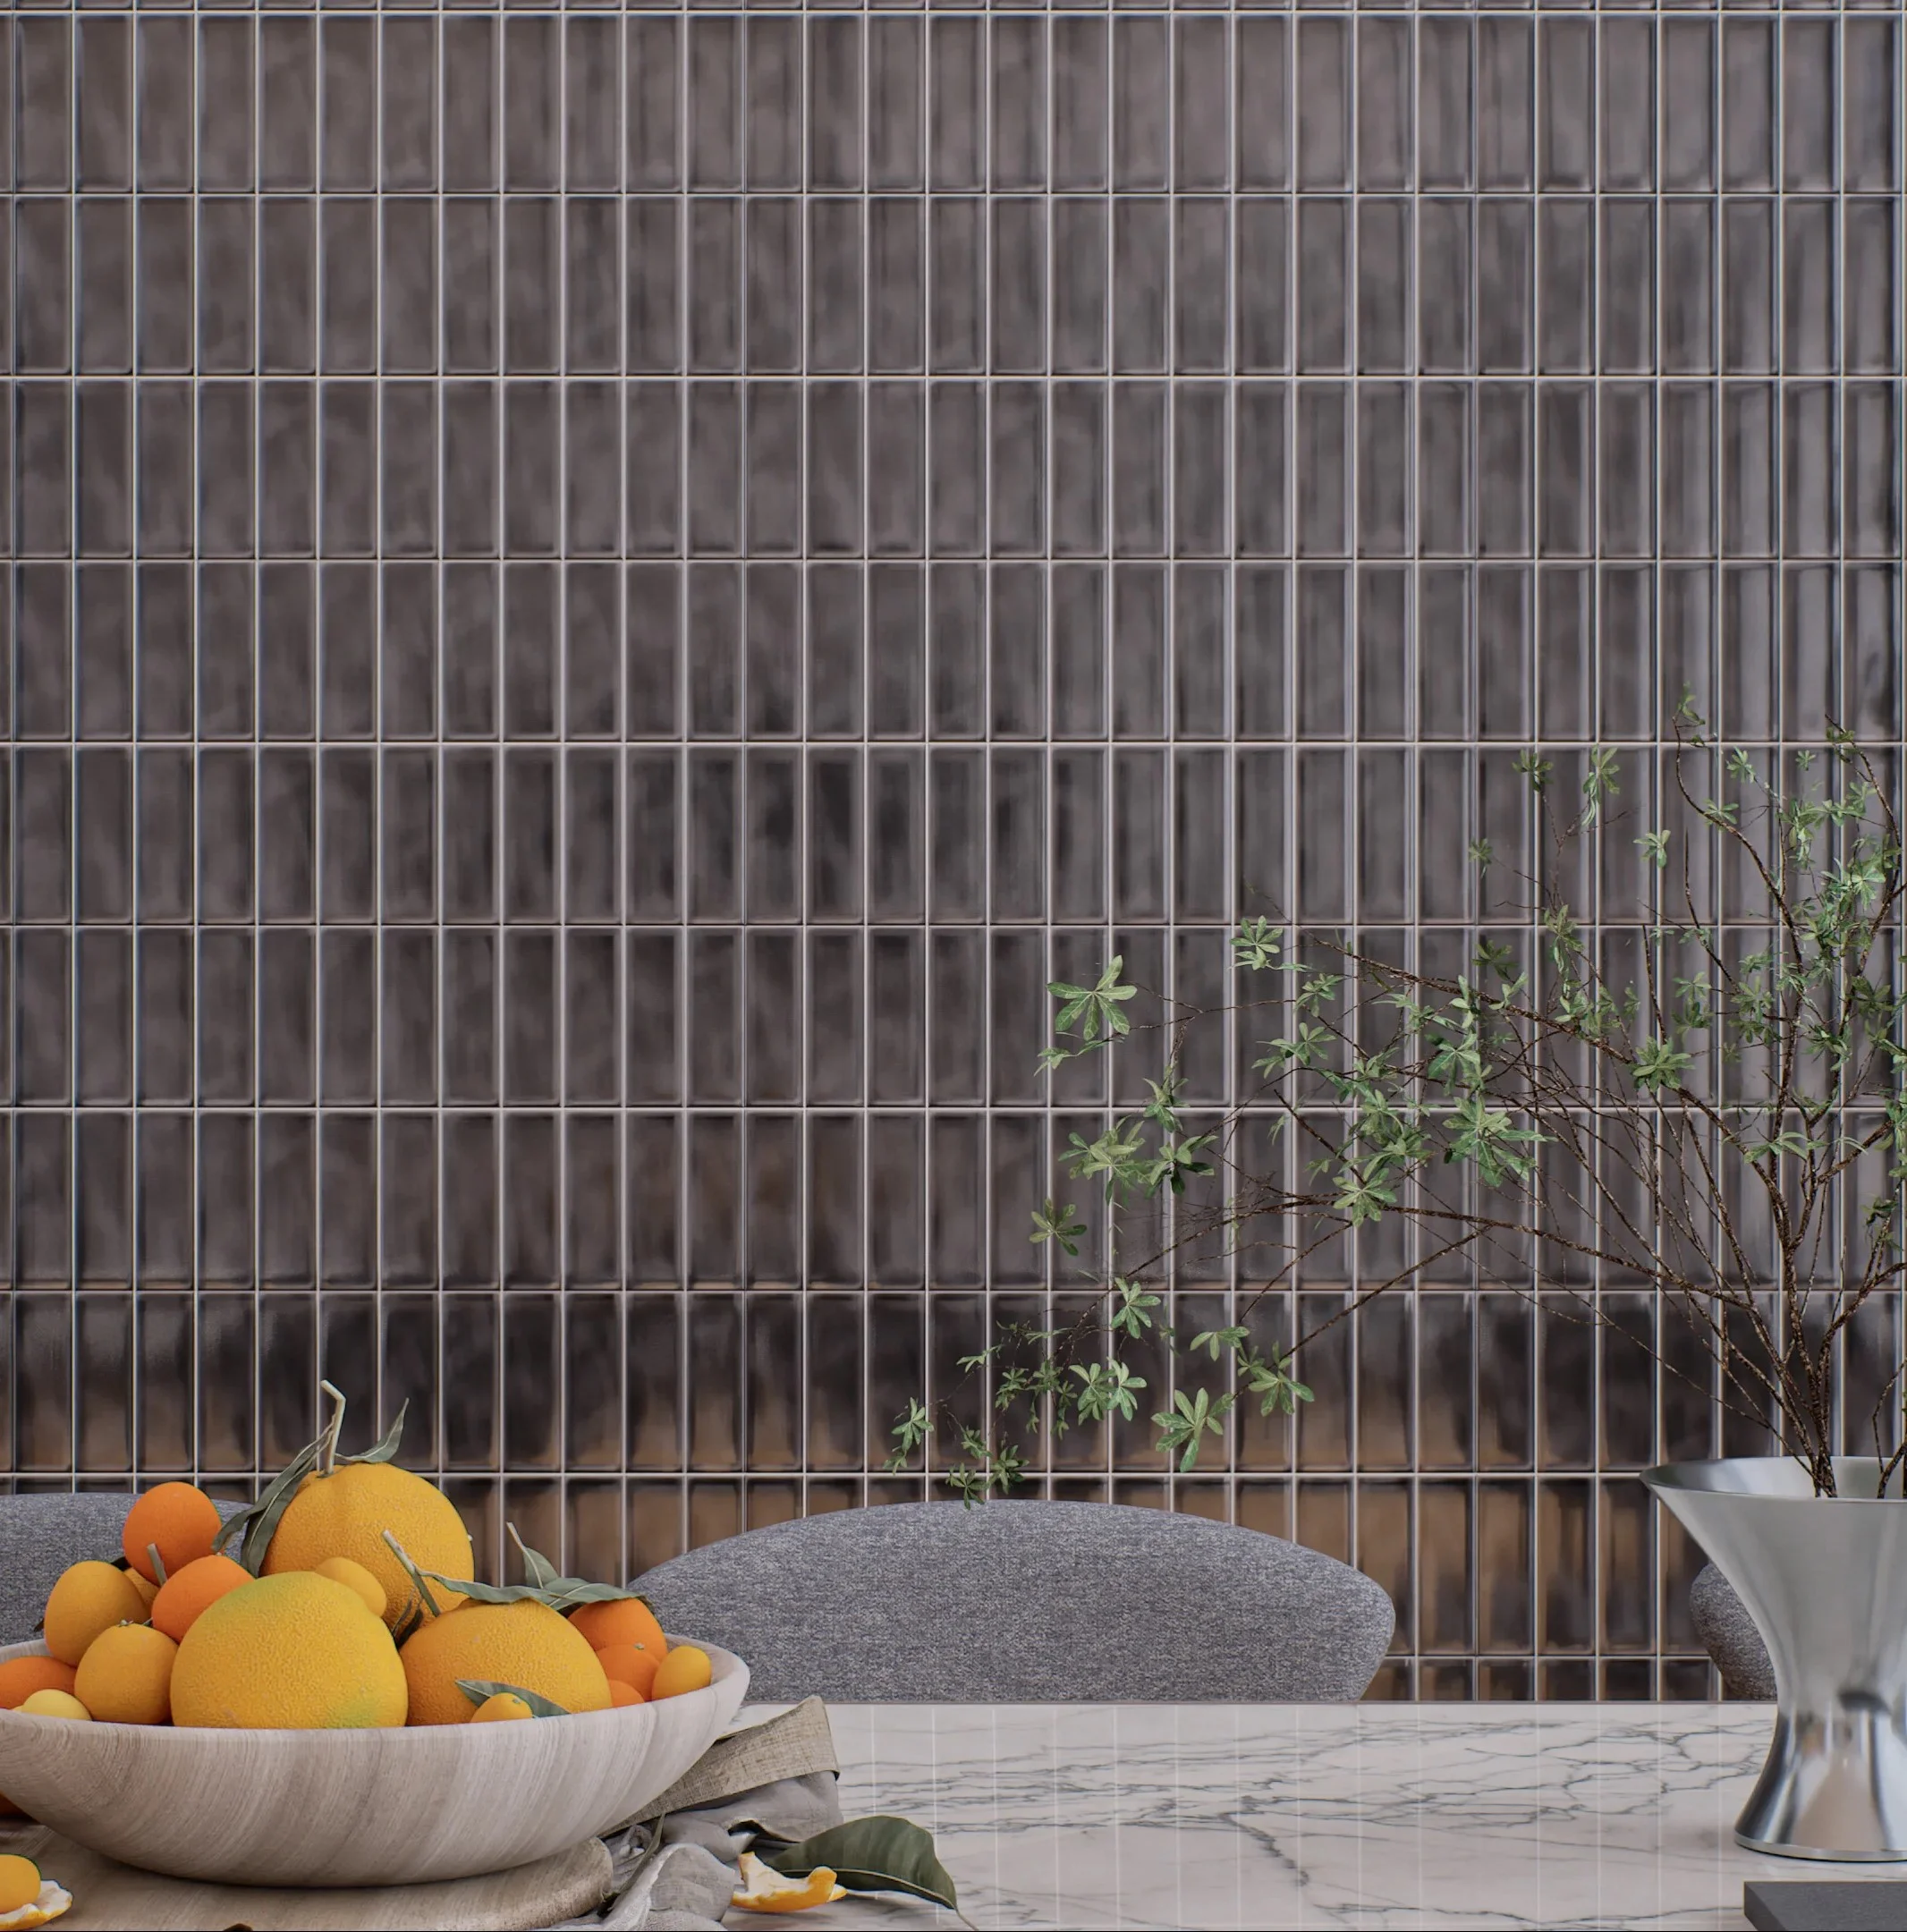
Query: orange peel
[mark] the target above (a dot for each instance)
(766, 1890)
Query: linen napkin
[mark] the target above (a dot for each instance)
(675, 1866)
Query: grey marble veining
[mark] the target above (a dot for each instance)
(1375, 1815)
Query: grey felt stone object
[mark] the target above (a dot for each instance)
(1729, 1635)
(39, 1537)
(1031, 1602)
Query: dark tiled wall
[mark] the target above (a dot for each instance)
(599, 599)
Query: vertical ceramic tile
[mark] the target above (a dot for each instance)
(1319, 495)
(532, 1380)
(228, 1409)
(652, 107)
(653, 1409)
(471, 1381)
(288, 1379)
(1383, 91)
(287, 1253)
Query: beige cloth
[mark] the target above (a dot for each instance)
(675, 1866)
(795, 1744)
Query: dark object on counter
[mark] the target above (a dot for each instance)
(1838, 1905)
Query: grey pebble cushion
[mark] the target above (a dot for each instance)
(1729, 1635)
(1034, 1602)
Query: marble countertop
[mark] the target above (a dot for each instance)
(1369, 1815)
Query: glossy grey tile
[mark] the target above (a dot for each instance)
(989, 438)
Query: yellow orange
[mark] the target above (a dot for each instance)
(55, 1704)
(189, 1592)
(20, 1881)
(125, 1676)
(89, 1598)
(295, 1652)
(346, 1515)
(180, 1518)
(685, 1668)
(501, 1708)
(354, 1576)
(523, 1643)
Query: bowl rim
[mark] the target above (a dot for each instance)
(724, 1663)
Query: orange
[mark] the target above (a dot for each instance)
(188, 1591)
(626, 1620)
(89, 1598)
(685, 1668)
(346, 1515)
(630, 1663)
(179, 1518)
(146, 1589)
(354, 1576)
(523, 1643)
(21, 1677)
(296, 1652)
(56, 1704)
(500, 1708)
(20, 1882)
(125, 1676)
(622, 1695)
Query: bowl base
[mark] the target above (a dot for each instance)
(1772, 1850)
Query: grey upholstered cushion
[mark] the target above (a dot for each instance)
(1729, 1635)
(1035, 1602)
(39, 1536)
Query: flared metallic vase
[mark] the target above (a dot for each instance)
(1826, 1581)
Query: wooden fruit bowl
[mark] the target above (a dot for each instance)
(355, 1808)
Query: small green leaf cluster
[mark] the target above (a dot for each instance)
(541, 1584)
(1478, 1104)
(256, 1525)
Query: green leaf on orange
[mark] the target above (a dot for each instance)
(388, 1448)
(562, 1593)
(545, 1586)
(259, 1522)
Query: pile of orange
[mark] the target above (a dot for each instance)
(357, 1611)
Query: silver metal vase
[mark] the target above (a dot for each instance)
(1825, 1580)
